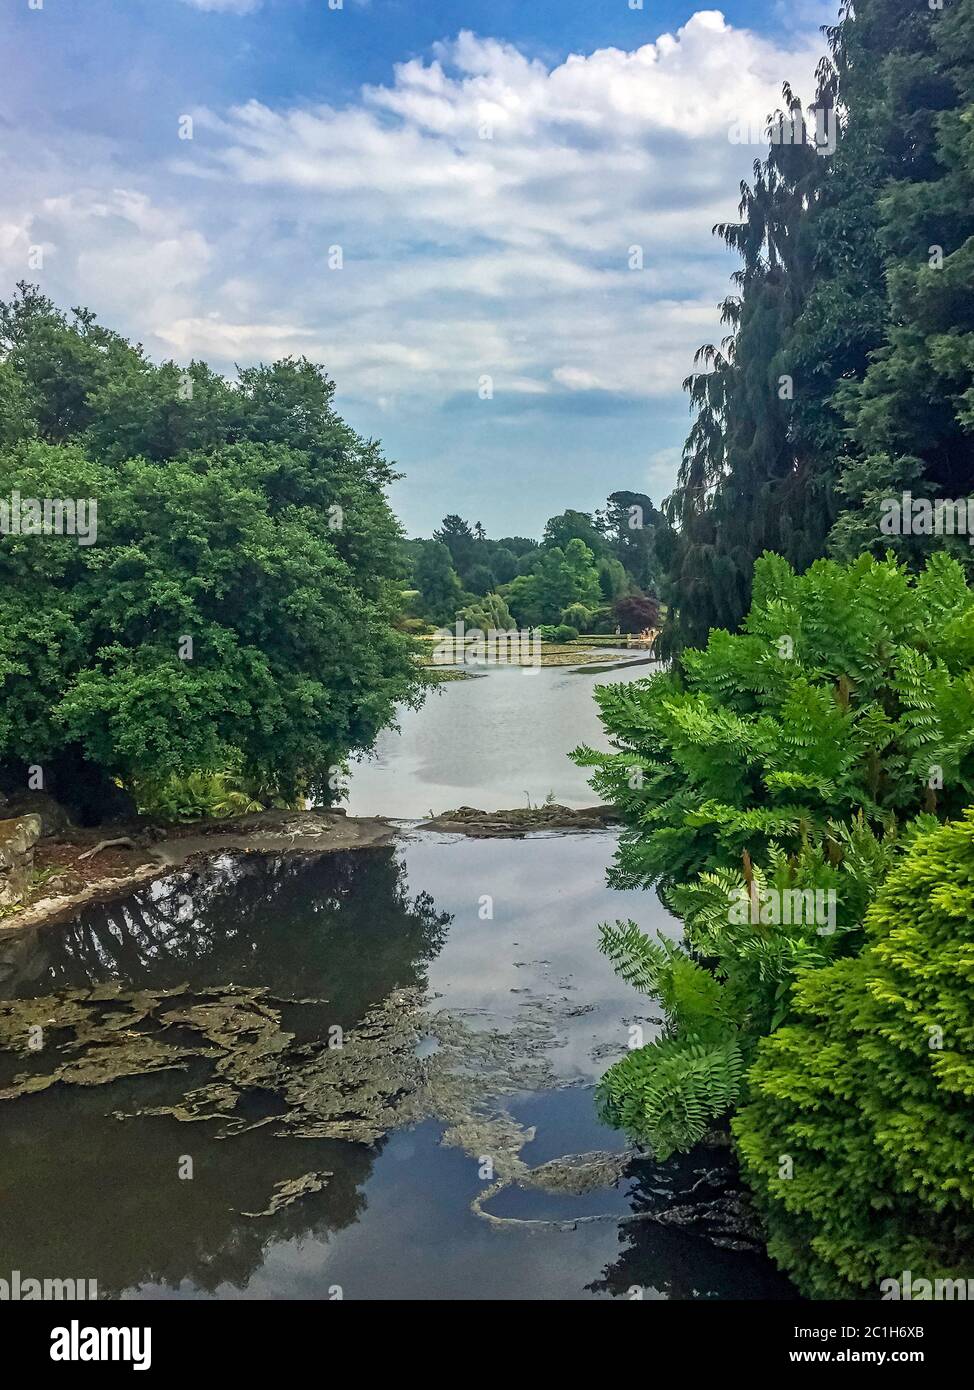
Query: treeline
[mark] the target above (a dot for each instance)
(800, 791)
(847, 375)
(588, 573)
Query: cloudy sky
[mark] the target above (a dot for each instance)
(492, 171)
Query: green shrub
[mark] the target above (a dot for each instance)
(851, 690)
(579, 617)
(241, 601)
(199, 796)
(557, 632)
(736, 986)
(859, 1135)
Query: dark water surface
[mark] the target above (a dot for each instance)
(93, 1196)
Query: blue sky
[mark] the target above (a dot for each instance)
(486, 169)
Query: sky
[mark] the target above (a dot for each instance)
(489, 220)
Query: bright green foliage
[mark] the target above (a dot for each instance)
(667, 1093)
(858, 1137)
(577, 616)
(248, 518)
(851, 690)
(584, 563)
(489, 614)
(200, 796)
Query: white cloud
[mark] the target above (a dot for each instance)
(226, 6)
(486, 206)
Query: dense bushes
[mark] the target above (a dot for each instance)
(850, 690)
(772, 788)
(858, 1137)
(736, 986)
(239, 608)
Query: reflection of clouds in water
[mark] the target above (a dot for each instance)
(549, 894)
(395, 1221)
(489, 743)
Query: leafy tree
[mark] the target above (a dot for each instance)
(579, 617)
(517, 545)
(846, 367)
(559, 579)
(613, 580)
(503, 564)
(456, 535)
(440, 591)
(572, 525)
(480, 580)
(857, 1139)
(488, 614)
(909, 414)
(630, 523)
(635, 612)
(265, 539)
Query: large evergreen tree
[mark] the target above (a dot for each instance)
(847, 370)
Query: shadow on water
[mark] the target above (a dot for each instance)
(88, 1195)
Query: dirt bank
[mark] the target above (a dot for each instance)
(76, 867)
(467, 820)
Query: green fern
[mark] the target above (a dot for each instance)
(667, 1094)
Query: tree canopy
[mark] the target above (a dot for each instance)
(847, 372)
(239, 607)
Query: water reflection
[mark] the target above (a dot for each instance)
(494, 742)
(90, 1196)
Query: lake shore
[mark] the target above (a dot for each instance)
(102, 864)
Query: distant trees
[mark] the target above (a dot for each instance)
(632, 527)
(459, 540)
(584, 562)
(635, 612)
(440, 590)
(560, 578)
(489, 614)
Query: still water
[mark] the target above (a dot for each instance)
(475, 1014)
(495, 741)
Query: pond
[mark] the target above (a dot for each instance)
(496, 740)
(366, 1074)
